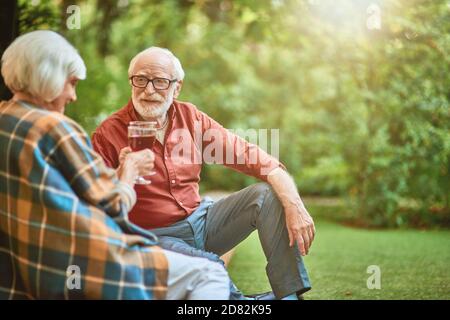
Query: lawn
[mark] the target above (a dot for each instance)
(414, 264)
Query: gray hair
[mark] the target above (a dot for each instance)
(179, 72)
(39, 63)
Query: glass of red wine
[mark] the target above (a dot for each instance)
(142, 135)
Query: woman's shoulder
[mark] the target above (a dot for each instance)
(38, 120)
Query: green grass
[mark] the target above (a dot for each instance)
(414, 264)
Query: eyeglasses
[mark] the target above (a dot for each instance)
(158, 83)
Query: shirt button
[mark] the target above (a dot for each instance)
(173, 181)
(181, 203)
(165, 157)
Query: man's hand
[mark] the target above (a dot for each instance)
(299, 223)
(300, 226)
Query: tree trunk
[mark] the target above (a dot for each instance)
(9, 24)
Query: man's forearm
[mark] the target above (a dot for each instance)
(284, 186)
(299, 223)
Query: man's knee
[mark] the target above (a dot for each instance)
(267, 195)
(261, 188)
(257, 193)
(269, 206)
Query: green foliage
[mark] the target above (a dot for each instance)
(42, 15)
(338, 260)
(362, 113)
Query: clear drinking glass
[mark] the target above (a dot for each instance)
(142, 135)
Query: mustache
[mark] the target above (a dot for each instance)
(153, 98)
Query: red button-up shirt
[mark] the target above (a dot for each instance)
(190, 137)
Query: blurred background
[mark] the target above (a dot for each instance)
(359, 89)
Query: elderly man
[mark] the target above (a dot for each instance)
(171, 205)
(64, 230)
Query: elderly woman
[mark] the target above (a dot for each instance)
(64, 229)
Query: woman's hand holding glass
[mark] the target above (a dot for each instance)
(135, 164)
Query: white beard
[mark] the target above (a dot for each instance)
(147, 112)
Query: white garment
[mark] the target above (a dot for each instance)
(192, 278)
(160, 134)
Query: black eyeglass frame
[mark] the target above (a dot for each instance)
(151, 80)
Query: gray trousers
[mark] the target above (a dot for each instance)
(217, 227)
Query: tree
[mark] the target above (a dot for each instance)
(9, 24)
